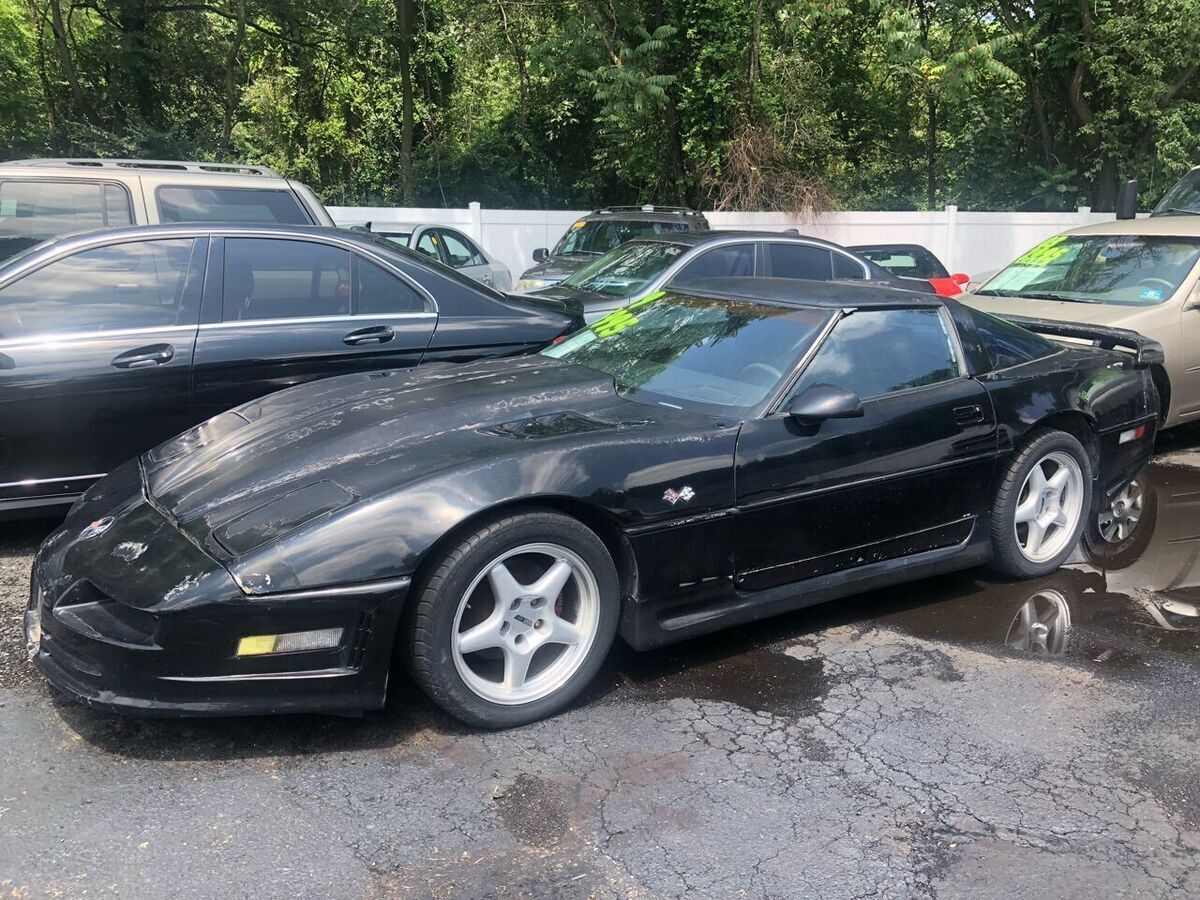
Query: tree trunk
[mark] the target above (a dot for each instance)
(931, 149)
(231, 80)
(65, 63)
(405, 20)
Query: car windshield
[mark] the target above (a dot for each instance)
(1124, 269)
(1183, 198)
(711, 355)
(628, 270)
(597, 237)
(907, 262)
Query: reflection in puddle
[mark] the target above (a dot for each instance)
(1132, 587)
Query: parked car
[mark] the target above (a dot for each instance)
(1138, 274)
(603, 230)
(644, 265)
(691, 462)
(45, 198)
(450, 247)
(112, 341)
(914, 262)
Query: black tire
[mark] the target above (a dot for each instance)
(1111, 555)
(429, 639)
(1008, 558)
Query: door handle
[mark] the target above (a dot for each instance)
(968, 415)
(144, 357)
(379, 334)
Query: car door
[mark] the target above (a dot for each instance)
(425, 240)
(281, 311)
(95, 360)
(910, 475)
(465, 256)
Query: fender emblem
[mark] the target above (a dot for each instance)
(673, 496)
(95, 529)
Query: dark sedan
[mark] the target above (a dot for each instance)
(690, 462)
(111, 342)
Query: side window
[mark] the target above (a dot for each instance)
(734, 261)
(845, 267)
(875, 352)
(143, 284)
(799, 261)
(428, 244)
(194, 204)
(32, 211)
(1008, 344)
(267, 278)
(378, 292)
(460, 250)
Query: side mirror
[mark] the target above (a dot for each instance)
(961, 278)
(540, 254)
(1127, 200)
(825, 401)
(1150, 354)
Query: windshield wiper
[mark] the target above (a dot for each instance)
(1041, 295)
(1182, 211)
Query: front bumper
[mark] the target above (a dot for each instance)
(138, 619)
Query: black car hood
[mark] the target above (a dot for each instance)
(373, 432)
(556, 268)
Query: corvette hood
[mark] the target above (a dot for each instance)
(367, 433)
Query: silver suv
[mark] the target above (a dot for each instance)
(45, 198)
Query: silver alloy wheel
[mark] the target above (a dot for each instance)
(516, 642)
(1120, 518)
(1041, 624)
(1049, 506)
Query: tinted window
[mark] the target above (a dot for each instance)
(377, 292)
(428, 244)
(799, 261)
(135, 285)
(735, 261)
(461, 251)
(877, 352)
(31, 211)
(845, 267)
(907, 262)
(278, 279)
(1008, 344)
(187, 204)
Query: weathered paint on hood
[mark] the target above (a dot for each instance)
(418, 451)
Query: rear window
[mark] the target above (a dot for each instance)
(192, 204)
(907, 262)
(32, 211)
(1008, 344)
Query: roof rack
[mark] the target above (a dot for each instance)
(649, 207)
(169, 165)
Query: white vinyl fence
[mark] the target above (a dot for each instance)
(970, 242)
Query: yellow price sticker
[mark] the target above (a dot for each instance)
(620, 319)
(1045, 253)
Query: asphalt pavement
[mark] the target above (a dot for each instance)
(961, 737)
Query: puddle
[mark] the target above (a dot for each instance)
(1117, 601)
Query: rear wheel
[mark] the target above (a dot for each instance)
(1040, 508)
(514, 621)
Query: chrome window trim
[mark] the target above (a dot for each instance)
(51, 337)
(309, 320)
(29, 482)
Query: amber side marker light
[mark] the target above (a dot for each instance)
(296, 641)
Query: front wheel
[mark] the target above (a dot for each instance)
(1040, 507)
(514, 621)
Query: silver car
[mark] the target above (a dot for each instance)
(451, 247)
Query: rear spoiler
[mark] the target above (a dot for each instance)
(1146, 352)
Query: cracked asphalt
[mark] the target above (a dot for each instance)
(962, 737)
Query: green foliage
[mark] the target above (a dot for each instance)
(789, 104)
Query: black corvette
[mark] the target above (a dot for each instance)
(684, 464)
